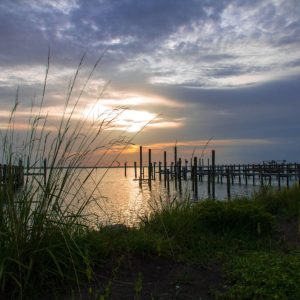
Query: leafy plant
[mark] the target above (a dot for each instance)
(261, 275)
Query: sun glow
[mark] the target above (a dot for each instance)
(134, 120)
(130, 120)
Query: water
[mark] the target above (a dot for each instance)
(120, 199)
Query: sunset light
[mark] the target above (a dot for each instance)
(149, 149)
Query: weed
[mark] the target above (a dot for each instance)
(138, 286)
(261, 275)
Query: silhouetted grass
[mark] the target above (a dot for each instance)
(43, 226)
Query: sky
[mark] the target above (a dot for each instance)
(221, 74)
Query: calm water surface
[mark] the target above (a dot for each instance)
(120, 199)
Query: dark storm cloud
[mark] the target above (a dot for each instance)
(268, 110)
(133, 27)
(28, 26)
(231, 66)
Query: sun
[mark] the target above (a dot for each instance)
(134, 120)
(131, 120)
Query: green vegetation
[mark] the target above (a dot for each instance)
(285, 204)
(43, 225)
(241, 235)
(264, 275)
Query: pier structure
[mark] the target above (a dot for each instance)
(13, 176)
(271, 173)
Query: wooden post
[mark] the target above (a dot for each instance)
(179, 176)
(246, 174)
(232, 173)
(200, 169)
(159, 170)
(228, 183)
(149, 176)
(175, 167)
(213, 161)
(154, 171)
(141, 164)
(45, 171)
(195, 178)
(149, 165)
(125, 168)
(240, 180)
(135, 170)
(261, 176)
(186, 170)
(165, 168)
(192, 177)
(208, 181)
(168, 181)
(19, 175)
(221, 174)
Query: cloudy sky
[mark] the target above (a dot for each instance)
(223, 71)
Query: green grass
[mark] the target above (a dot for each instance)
(285, 203)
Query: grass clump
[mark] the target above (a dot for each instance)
(285, 203)
(43, 226)
(209, 228)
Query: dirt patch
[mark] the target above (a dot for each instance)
(289, 232)
(154, 278)
(137, 277)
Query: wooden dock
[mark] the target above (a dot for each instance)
(13, 176)
(194, 169)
